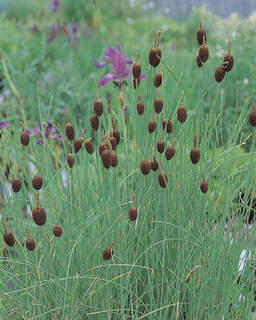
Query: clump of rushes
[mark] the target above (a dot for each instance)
(57, 231)
(199, 62)
(116, 132)
(158, 79)
(38, 213)
(152, 126)
(98, 107)
(95, 122)
(219, 74)
(30, 242)
(195, 152)
(182, 112)
(133, 212)
(140, 106)
(154, 164)
(158, 104)
(24, 137)
(201, 34)
(170, 151)
(136, 73)
(167, 125)
(155, 54)
(162, 178)
(145, 167)
(108, 252)
(252, 116)
(228, 59)
(70, 160)
(203, 52)
(160, 146)
(8, 236)
(16, 185)
(204, 185)
(69, 129)
(37, 182)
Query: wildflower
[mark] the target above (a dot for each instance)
(3, 124)
(75, 29)
(55, 5)
(49, 132)
(120, 67)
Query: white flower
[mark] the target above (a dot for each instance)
(167, 10)
(245, 81)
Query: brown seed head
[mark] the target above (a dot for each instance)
(70, 160)
(77, 145)
(160, 146)
(204, 185)
(252, 116)
(169, 125)
(145, 167)
(203, 53)
(9, 239)
(70, 131)
(219, 74)
(95, 122)
(140, 108)
(103, 146)
(136, 70)
(114, 162)
(229, 59)
(88, 146)
(106, 158)
(57, 231)
(163, 179)
(39, 216)
(98, 107)
(154, 57)
(24, 138)
(133, 213)
(199, 62)
(158, 79)
(16, 185)
(170, 151)
(113, 142)
(108, 252)
(154, 164)
(195, 152)
(30, 244)
(37, 182)
(151, 126)
(182, 114)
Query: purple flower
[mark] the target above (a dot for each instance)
(120, 67)
(49, 132)
(3, 124)
(75, 29)
(55, 5)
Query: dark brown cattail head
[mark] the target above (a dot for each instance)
(158, 104)
(160, 146)
(228, 59)
(133, 213)
(70, 160)
(113, 142)
(158, 79)
(115, 132)
(136, 69)
(151, 126)
(114, 162)
(219, 74)
(199, 62)
(154, 164)
(195, 153)
(163, 179)
(95, 122)
(108, 252)
(204, 185)
(24, 137)
(203, 53)
(155, 53)
(16, 185)
(57, 231)
(106, 158)
(182, 114)
(9, 239)
(98, 107)
(140, 106)
(168, 128)
(30, 244)
(170, 151)
(103, 146)
(88, 146)
(37, 182)
(77, 145)
(201, 35)
(39, 216)
(70, 131)
(145, 167)
(252, 116)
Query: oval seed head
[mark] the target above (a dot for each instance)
(201, 34)
(169, 125)
(133, 213)
(39, 216)
(158, 105)
(203, 53)
(70, 131)
(154, 164)
(252, 116)
(195, 155)
(103, 146)
(57, 231)
(199, 62)
(98, 107)
(219, 74)
(37, 182)
(94, 122)
(151, 126)
(16, 185)
(136, 70)
(113, 142)
(145, 167)
(140, 108)
(204, 185)
(114, 162)
(230, 59)
(182, 114)
(163, 179)
(154, 57)
(108, 252)
(116, 134)
(30, 244)
(77, 145)
(70, 160)
(24, 138)
(9, 239)
(170, 152)
(158, 79)
(88, 146)
(106, 158)
(160, 146)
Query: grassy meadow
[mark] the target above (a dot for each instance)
(179, 258)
